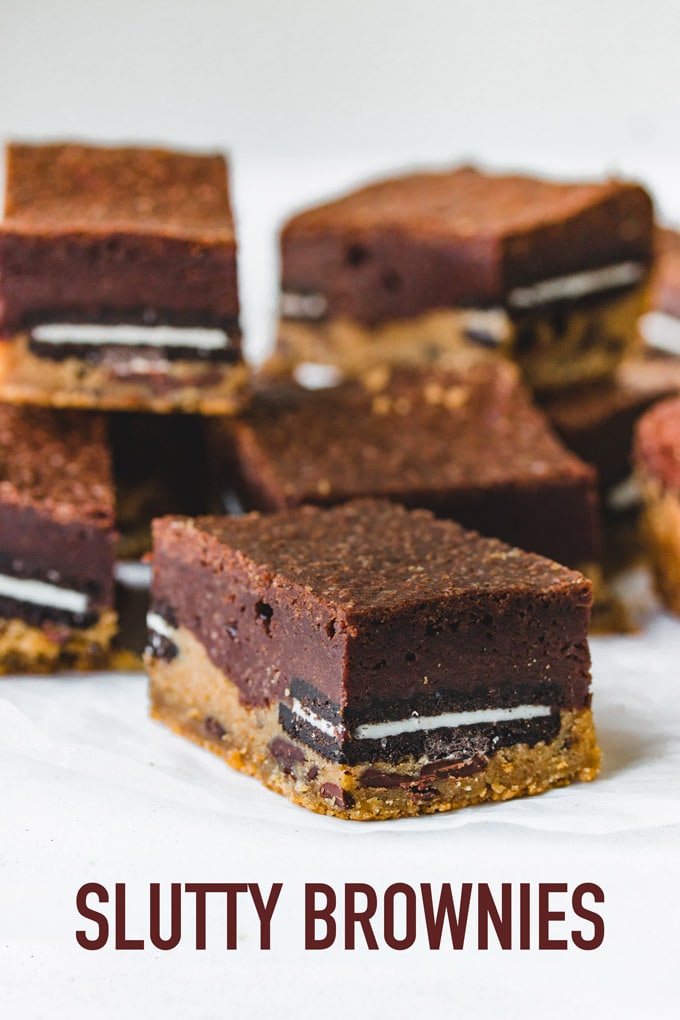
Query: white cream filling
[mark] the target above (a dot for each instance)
(415, 723)
(131, 336)
(661, 330)
(156, 623)
(306, 714)
(133, 574)
(576, 285)
(302, 306)
(493, 323)
(624, 496)
(317, 377)
(40, 593)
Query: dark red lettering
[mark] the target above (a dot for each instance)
(265, 911)
(354, 916)
(122, 941)
(487, 911)
(546, 915)
(175, 916)
(400, 889)
(446, 911)
(314, 913)
(82, 938)
(588, 889)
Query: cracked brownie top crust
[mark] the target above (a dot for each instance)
(57, 463)
(68, 188)
(362, 619)
(464, 442)
(463, 238)
(117, 236)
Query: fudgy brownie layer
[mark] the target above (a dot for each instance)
(374, 606)
(191, 695)
(459, 238)
(141, 280)
(95, 231)
(597, 421)
(465, 443)
(56, 515)
(73, 555)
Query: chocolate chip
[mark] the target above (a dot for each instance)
(264, 612)
(453, 769)
(286, 754)
(341, 798)
(313, 773)
(357, 254)
(213, 727)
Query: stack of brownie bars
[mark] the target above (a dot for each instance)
(398, 623)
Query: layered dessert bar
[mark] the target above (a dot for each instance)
(462, 441)
(552, 274)
(56, 541)
(370, 662)
(118, 285)
(657, 464)
(660, 326)
(597, 421)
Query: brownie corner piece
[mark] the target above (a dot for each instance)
(119, 286)
(56, 541)
(371, 662)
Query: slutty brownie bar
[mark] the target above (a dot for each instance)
(56, 541)
(464, 442)
(660, 326)
(657, 465)
(370, 662)
(551, 274)
(118, 281)
(597, 420)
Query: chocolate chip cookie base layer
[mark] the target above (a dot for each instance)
(368, 661)
(569, 343)
(54, 647)
(657, 465)
(197, 700)
(112, 385)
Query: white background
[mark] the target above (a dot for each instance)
(309, 96)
